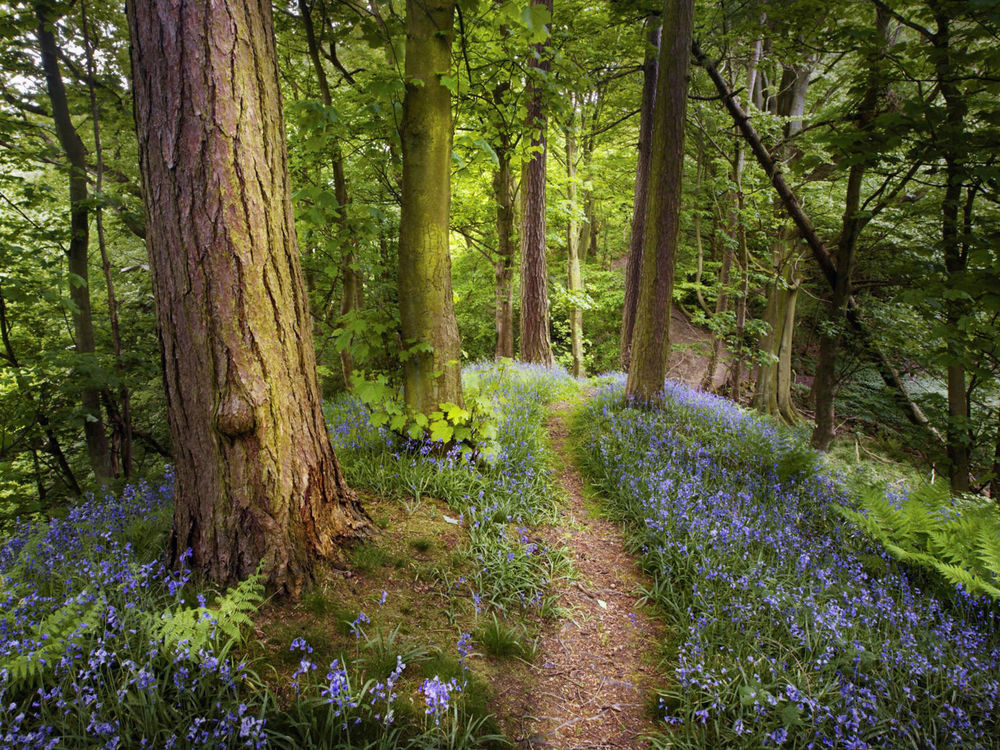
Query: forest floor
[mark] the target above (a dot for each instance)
(592, 678)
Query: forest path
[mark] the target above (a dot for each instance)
(594, 668)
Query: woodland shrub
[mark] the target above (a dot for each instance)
(792, 629)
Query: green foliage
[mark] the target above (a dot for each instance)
(501, 639)
(222, 625)
(959, 539)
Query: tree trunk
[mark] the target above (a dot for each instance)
(955, 259)
(120, 414)
(79, 284)
(995, 482)
(504, 267)
(536, 341)
(637, 237)
(426, 306)
(574, 283)
(808, 232)
(825, 384)
(651, 337)
(257, 485)
(783, 390)
(350, 277)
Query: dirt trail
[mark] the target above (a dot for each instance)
(594, 669)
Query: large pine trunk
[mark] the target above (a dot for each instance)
(633, 264)
(536, 341)
(426, 306)
(651, 337)
(257, 485)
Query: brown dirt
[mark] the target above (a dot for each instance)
(595, 668)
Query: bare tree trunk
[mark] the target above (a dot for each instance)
(808, 232)
(536, 341)
(651, 337)
(257, 485)
(637, 237)
(121, 415)
(995, 482)
(351, 278)
(504, 268)
(574, 283)
(426, 304)
(79, 286)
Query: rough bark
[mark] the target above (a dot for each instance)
(257, 485)
(535, 339)
(426, 307)
(77, 251)
(503, 192)
(574, 281)
(651, 337)
(819, 251)
(351, 281)
(633, 264)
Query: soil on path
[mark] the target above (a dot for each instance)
(596, 667)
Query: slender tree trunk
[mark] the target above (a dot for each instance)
(426, 307)
(504, 267)
(351, 279)
(79, 286)
(637, 237)
(825, 384)
(783, 390)
(536, 342)
(808, 232)
(574, 283)
(257, 485)
(120, 415)
(651, 337)
(52, 446)
(955, 259)
(995, 482)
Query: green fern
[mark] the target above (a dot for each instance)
(959, 539)
(223, 624)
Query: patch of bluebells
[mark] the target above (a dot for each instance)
(437, 696)
(499, 499)
(80, 656)
(795, 631)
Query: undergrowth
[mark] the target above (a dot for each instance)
(792, 629)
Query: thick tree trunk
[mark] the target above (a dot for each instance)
(574, 282)
(503, 193)
(257, 485)
(633, 265)
(426, 306)
(651, 337)
(350, 277)
(76, 253)
(536, 341)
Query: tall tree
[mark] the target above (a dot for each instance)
(637, 236)
(574, 280)
(257, 483)
(79, 243)
(431, 371)
(651, 337)
(536, 340)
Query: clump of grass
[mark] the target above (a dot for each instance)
(421, 544)
(369, 557)
(501, 639)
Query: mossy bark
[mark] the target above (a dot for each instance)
(535, 339)
(257, 483)
(651, 337)
(426, 306)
